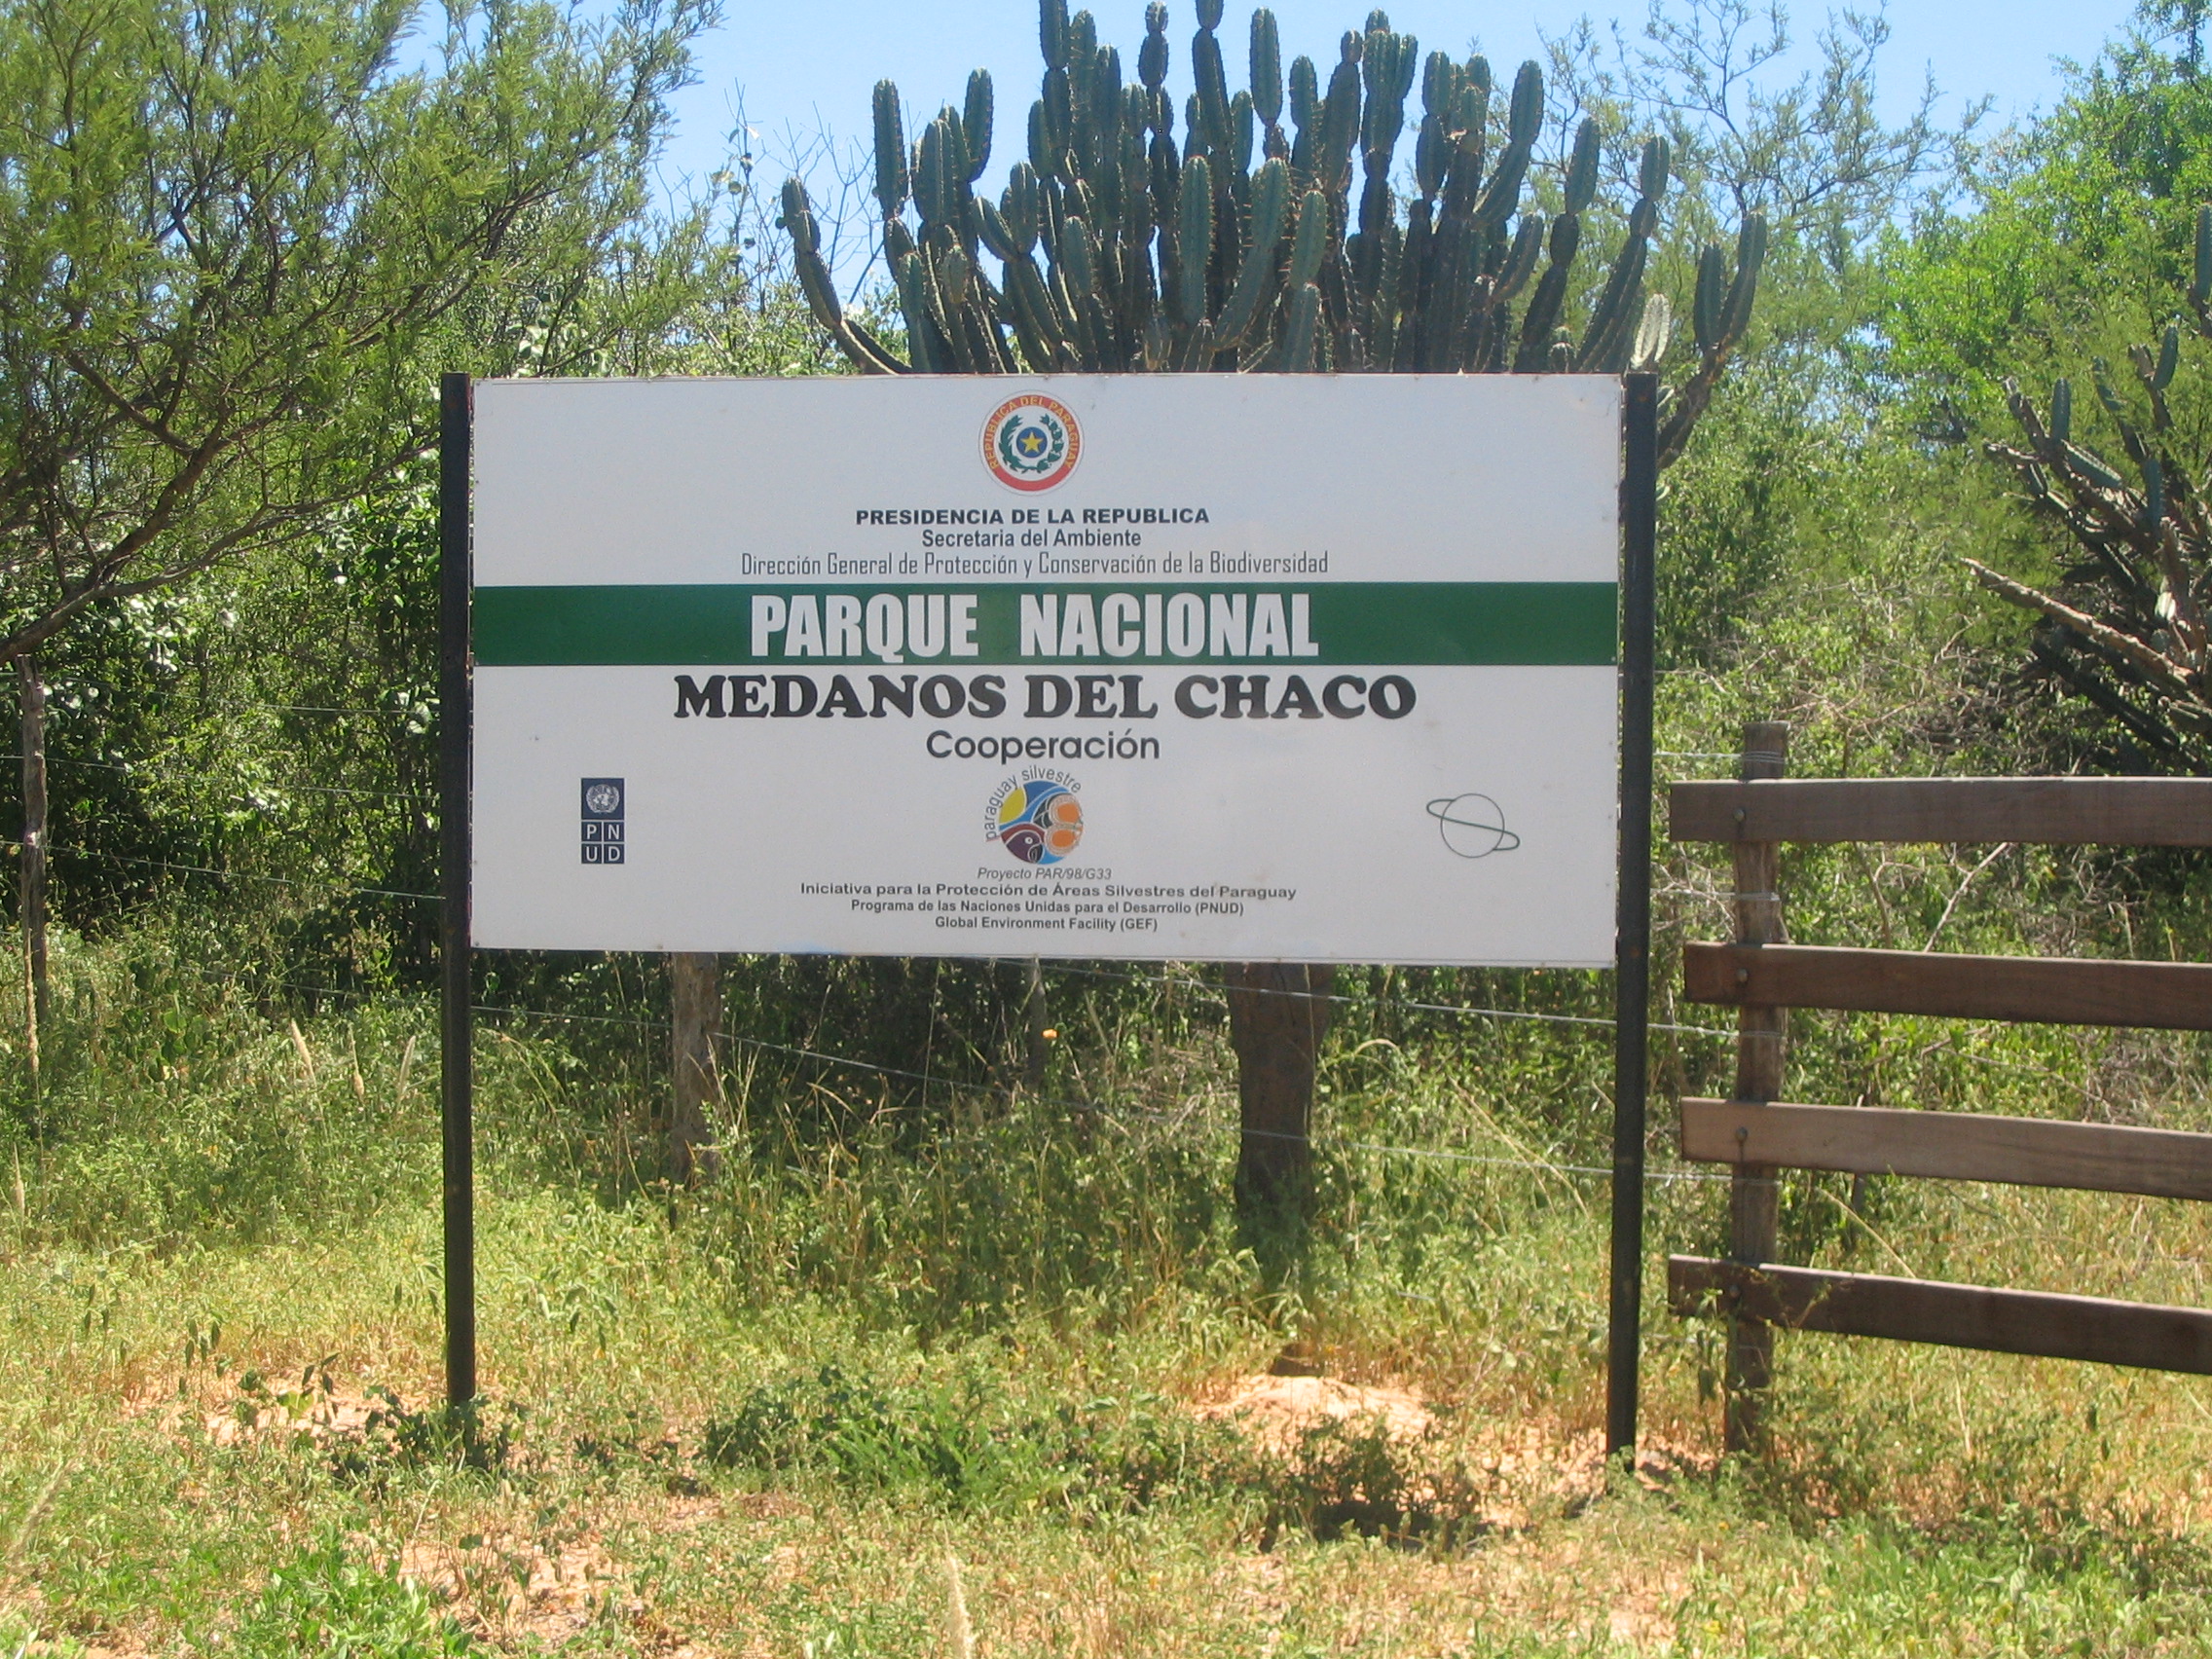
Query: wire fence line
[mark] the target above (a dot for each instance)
(1585, 1020)
(157, 769)
(1590, 1023)
(1050, 965)
(1093, 1107)
(227, 875)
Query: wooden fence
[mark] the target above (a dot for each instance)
(1763, 978)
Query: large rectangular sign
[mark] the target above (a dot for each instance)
(1153, 665)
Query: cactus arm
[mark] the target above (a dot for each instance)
(1712, 286)
(1383, 318)
(870, 355)
(1652, 335)
(976, 119)
(1197, 350)
(1304, 113)
(1028, 319)
(1340, 123)
(1550, 295)
(2200, 285)
(1607, 338)
(1271, 205)
(1265, 76)
(891, 179)
(1520, 259)
(1053, 32)
(931, 354)
(1411, 302)
(1047, 337)
(821, 292)
(1194, 241)
(1299, 330)
(1212, 87)
(1243, 128)
(1717, 346)
(1152, 56)
(1582, 169)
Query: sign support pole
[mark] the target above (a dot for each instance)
(1631, 978)
(457, 1072)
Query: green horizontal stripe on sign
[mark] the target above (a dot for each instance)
(1359, 623)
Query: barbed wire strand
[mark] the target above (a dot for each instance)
(1589, 1019)
(1098, 1108)
(1457, 1010)
(159, 770)
(228, 874)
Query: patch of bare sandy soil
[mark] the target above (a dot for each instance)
(1512, 1473)
(1515, 1469)
(1279, 1412)
(513, 1587)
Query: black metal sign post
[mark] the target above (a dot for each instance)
(457, 1091)
(1632, 968)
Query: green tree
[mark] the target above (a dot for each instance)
(239, 237)
(2085, 247)
(233, 237)
(2070, 238)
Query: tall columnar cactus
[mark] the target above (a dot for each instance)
(1242, 246)
(2127, 630)
(1245, 245)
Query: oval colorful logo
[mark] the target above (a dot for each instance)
(1040, 822)
(1031, 442)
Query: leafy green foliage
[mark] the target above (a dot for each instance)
(2072, 240)
(2086, 251)
(327, 1603)
(233, 238)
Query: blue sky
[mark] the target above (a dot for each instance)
(800, 70)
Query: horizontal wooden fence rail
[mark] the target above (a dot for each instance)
(1954, 1315)
(1756, 1138)
(2111, 812)
(1951, 1146)
(2039, 990)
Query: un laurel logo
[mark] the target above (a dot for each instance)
(1031, 442)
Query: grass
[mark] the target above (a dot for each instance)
(755, 1421)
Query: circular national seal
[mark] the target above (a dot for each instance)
(1031, 442)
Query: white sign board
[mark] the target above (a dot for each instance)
(1217, 667)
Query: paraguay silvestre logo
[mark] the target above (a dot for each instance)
(1036, 818)
(1031, 442)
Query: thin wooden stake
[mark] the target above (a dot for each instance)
(695, 1011)
(32, 727)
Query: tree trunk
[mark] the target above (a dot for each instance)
(696, 1006)
(32, 702)
(1278, 1013)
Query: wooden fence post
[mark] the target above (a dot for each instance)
(1036, 1020)
(1278, 1014)
(695, 1011)
(1752, 1188)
